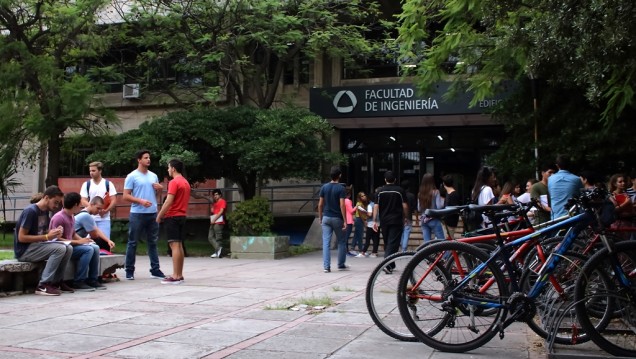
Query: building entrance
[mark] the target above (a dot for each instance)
(410, 153)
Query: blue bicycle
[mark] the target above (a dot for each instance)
(464, 297)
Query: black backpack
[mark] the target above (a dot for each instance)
(472, 219)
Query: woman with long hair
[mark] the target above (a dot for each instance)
(482, 193)
(506, 196)
(622, 202)
(359, 220)
(429, 197)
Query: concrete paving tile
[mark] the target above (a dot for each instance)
(59, 325)
(335, 316)
(20, 355)
(104, 315)
(321, 330)
(208, 338)
(234, 300)
(268, 354)
(122, 330)
(145, 306)
(11, 337)
(264, 314)
(165, 320)
(163, 350)
(384, 349)
(73, 343)
(242, 325)
(289, 343)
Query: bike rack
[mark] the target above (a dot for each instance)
(554, 319)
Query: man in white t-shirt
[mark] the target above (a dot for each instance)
(98, 186)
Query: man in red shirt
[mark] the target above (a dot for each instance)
(217, 222)
(173, 214)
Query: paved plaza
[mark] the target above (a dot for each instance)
(227, 308)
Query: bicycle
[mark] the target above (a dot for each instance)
(380, 290)
(457, 302)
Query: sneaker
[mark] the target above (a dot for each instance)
(361, 255)
(82, 287)
(95, 284)
(327, 270)
(344, 267)
(219, 252)
(65, 288)
(351, 254)
(170, 280)
(374, 255)
(47, 289)
(387, 270)
(130, 276)
(213, 255)
(157, 274)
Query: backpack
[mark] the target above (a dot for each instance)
(472, 219)
(106, 196)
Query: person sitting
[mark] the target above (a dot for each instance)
(85, 251)
(85, 225)
(33, 241)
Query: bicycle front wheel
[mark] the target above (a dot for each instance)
(619, 336)
(380, 296)
(452, 323)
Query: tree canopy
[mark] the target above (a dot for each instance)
(42, 43)
(581, 52)
(246, 145)
(241, 47)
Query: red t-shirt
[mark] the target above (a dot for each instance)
(216, 208)
(180, 188)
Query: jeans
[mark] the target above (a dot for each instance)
(347, 234)
(404, 243)
(56, 256)
(392, 234)
(358, 224)
(87, 257)
(331, 225)
(433, 226)
(140, 222)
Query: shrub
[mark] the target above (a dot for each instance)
(252, 217)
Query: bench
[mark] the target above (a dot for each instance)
(23, 277)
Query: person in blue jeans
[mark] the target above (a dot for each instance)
(429, 197)
(85, 251)
(331, 214)
(140, 188)
(408, 224)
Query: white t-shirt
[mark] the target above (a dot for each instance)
(485, 196)
(99, 190)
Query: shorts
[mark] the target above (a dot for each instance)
(175, 228)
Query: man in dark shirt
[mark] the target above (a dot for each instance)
(331, 214)
(391, 212)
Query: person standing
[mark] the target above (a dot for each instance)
(217, 223)
(539, 192)
(331, 215)
(390, 213)
(140, 188)
(33, 241)
(429, 198)
(85, 251)
(359, 222)
(98, 186)
(562, 186)
(452, 199)
(408, 224)
(173, 214)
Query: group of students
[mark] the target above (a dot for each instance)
(58, 227)
(556, 186)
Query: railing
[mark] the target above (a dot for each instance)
(284, 200)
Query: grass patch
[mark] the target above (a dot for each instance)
(317, 301)
(301, 249)
(6, 255)
(342, 289)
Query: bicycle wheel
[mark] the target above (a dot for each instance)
(619, 336)
(557, 296)
(444, 322)
(380, 297)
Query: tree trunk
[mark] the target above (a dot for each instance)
(53, 168)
